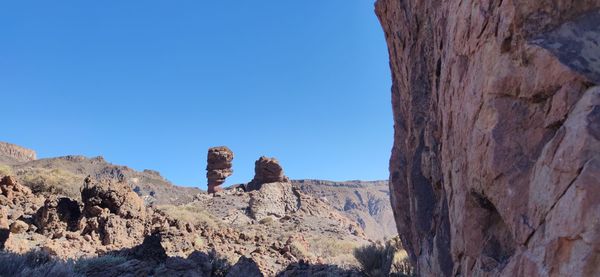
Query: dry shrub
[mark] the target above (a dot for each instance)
(34, 264)
(97, 264)
(191, 213)
(52, 181)
(266, 220)
(5, 170)
(384, 259)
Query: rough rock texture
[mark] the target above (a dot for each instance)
(111, 217)
(496, 157)
(117, 197)
(65, 176)
(273, 199)
(366, 202)
(266, 170)
(10, 153)
(218, 167)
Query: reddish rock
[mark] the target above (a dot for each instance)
(266, 170)
(15, 154)
(58, 215)
(218, 168)
(19, 227)
(115, 196)
(496, 156)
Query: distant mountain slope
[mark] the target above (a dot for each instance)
(367, 202)
(65, 175)
(14, 154)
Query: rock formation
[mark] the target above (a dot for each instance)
(266, 170)
(10, 153)
(218, 167)
(495, 168)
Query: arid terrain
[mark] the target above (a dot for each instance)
(72, 207)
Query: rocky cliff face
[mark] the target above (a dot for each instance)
(495, 168)
(10, 153)
(366, 202)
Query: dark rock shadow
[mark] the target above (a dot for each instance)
(302, 269)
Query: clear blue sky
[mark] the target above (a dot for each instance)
(153, 84)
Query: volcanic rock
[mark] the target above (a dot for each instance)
(115, 196)
(496, 157)
(18, 227)
(12, 154)
(218, 167)
(266, 170)
(273, 199)
(58, 215)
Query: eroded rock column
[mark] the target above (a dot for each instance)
(218, 168)
(266, 170)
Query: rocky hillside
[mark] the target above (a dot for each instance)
(65, 175)
(269, 226)
(14, 154)
(272, 228)
(367, 203)
(495, 168)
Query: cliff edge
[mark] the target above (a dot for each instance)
(495, 168)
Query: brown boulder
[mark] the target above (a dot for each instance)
(115, 196)
(58, 215)
(266, 170)
(4, 224)
(18, 227)
(218, 167)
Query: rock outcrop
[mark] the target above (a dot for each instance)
(266, 170)
(218, 167)
(495, 168)
(366, 202)
(111, 217)
(11, 153)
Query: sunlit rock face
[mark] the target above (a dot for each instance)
(495, 168)
(219, 167)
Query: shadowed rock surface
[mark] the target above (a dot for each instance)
(494, 168)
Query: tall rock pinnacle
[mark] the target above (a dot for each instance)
(218, 168)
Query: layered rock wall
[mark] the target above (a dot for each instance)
(16, 153)
(496, 156)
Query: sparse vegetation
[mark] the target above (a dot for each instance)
(383, 259)
(5, 170)
(192, 213)
(266, 220)
(331, 247)
(35, 264)
(97, 264)
(52, 181)
(300, 251)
